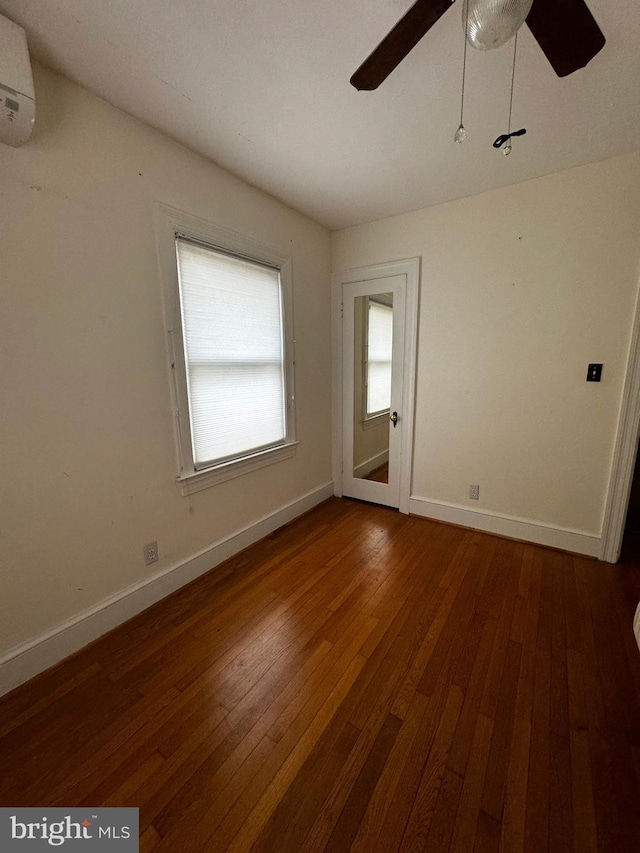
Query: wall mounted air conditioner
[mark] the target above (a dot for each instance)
(17, 96)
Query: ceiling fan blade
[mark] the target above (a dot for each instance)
(396, 45)
(567, 33)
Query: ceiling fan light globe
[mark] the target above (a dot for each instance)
(491, 23)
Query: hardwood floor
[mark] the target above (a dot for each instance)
(359, 680)
(380, 474)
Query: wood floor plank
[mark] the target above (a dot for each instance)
(375, 705)
(513, 833)
(149, 839)
(347, 825)
(618, 700)
(292, 820)
(607, 808)
(488, 834)
(358, 680)
(444, 815)
(257, 818)
(584, 818)
(466, 823)
(500, 605)
(461, 747)
(532, 569)
(561, 817)
(369, 832)
(537, 817)
(402, 804)
(500, 752)
(419, 823)
(224, 815)
(462, 561)
(241, 733)
(300, 698)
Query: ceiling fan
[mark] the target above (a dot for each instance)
(565, 30)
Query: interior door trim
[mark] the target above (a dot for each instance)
(409, 267)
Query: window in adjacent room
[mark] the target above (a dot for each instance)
(377, 360)
(233, 374)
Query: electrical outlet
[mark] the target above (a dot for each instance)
(150, 553)
(474, 493)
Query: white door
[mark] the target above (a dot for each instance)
(374, 426)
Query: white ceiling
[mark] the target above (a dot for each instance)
(262, 88)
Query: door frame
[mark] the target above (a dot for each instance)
(624, 451)
(410, 268)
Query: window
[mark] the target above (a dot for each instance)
(232, 369)
(232, 330)
(378, 356)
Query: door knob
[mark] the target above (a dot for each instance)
(393, 417)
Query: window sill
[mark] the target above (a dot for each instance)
(376, 420)
(199, 480)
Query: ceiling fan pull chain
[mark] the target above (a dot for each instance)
(507, 147)
(461, 134)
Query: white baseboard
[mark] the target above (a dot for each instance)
(576, 541)
(370, 465)
(28, 659)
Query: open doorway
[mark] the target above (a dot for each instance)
(631, 535)
(625, 457)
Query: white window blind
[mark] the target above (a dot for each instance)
(379, 340)
(234, 353)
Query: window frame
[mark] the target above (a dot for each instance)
(171, 224)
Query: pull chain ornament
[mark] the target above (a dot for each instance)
(461, 134)
(505, 138)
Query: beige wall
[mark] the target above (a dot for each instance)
(88, 453)
(521, 288)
